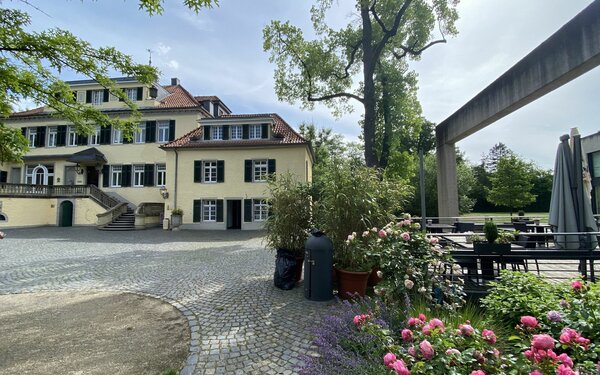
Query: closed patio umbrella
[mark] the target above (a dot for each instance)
(570, 208)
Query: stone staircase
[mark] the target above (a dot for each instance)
(124, 222)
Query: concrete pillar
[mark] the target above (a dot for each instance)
(447, 183)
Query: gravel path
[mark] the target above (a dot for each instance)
(221, 281)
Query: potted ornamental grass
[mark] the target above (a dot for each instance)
(289, 218)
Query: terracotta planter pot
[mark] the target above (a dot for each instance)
(351, 283)
(373, 278)
(299, 263)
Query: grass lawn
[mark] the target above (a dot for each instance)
(505, 216)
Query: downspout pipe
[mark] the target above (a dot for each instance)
(176, 173)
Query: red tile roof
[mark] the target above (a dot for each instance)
(29, 112)
(283, 134)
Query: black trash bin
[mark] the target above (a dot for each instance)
(318, 265)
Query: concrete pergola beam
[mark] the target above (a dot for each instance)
(570, 52)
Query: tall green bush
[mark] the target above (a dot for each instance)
(289, 213)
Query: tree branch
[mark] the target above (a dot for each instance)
(333, 96)
(376, 16)
(391, 32)
(419, 51)
(350, 62)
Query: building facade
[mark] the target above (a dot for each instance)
(153, 166)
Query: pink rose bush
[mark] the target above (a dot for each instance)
(412, 264)
(430, 347)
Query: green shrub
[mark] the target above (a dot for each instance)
(491, 231)
(519, 293)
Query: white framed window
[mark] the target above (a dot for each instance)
(216, 132)
(31, 136)
(117, 136)
(260, 210)
(209, 210)
(39, 174)
(97, 97)
(255, 132)
(138, 176)
(163, 131)
(95, 137)
(209, 171)
(140, 135)
(260, 170)
(52, 134)
(71, 136)
(116, 175)
(131, 93)
(161, 174)
(237, 132)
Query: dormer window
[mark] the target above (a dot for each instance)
(237, 132)
(97, 97)
(216, 132)
(255, 132)
(131, 93)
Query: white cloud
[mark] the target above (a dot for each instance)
(162, 49)
(173, 64)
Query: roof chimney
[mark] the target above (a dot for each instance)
(174, 81)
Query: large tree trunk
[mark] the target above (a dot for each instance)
(369, 86)
(387, 123)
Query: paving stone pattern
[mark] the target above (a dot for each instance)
(221, 281)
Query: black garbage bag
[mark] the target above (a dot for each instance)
(285, 269)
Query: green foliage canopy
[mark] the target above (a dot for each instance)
(511, 183)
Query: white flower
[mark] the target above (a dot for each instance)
(374, 229)
(365, 233)
(350, 238)
(379, 274)
(408, 284)
(388, 230)
(422, 289)
(417, 226)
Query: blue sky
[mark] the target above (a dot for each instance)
(219, 52)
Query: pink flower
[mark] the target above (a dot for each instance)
(598, 367)
(400, 368)
(565, 370)
(477, 372)
(412, 351)
(359, 319)
(529, 321)
(389, 359)
(382, 234)
(407, 335)
(422, 317)
(426, 349)
(452, 351)
(582, 341)
(434, 241)
(489, 336)
(542, 342)
(564, 358)
(415, 322)
(577, 285)
(568, 335)
(535, 372)
(426, 330)
(528, 354)
(436, 323)
(405, 236)
(466, 329)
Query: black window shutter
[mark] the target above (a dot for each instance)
(197, 213)
(225, 132)
(105, 135)
(3, 176)
(88, 96)
(150, 131)
(105, 96)
(171, 130)
(245, 131)
(126, 176)
(219, 210)
(271, 165)
(247, 170)
(24, 131)
(248, 210)
(140, 93)
(265, 131)
(197, 170)
(220, 170)
(41, 136)
(105, 175)
(206, 132)
(82, 139)
(149, 175)
(61, 135)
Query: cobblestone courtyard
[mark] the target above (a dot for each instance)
(221, 281)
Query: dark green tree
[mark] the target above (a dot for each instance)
(351, 62)
(511, 183)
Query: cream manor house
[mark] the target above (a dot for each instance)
(190, 153)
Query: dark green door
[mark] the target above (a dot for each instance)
(65, 214)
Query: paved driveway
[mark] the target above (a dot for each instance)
(222, 282)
